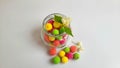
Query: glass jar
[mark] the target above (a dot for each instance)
(45, 35)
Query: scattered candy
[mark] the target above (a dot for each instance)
(61, 53)
(69, 55)
(56, 25)
(56, 60)
(66, 49)
(52, 51)
(55, 32)
(56, 43)
(64, 59)
(76, 56)
(48, 26)
(51, 38)
(73, 49)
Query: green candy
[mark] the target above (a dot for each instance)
(55, 32)
(76, 56)
(59, 37)
(62, 30)
(56, 60)
(66, 49)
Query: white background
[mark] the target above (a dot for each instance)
(95, 22)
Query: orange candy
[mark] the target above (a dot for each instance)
(56, 43)
(73, 49)
(52, 51)
(46, 37)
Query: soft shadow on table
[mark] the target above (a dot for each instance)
(36, 36)
(36, 33)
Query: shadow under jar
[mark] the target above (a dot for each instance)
(50, 39)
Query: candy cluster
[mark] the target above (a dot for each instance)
(65, 54)
(57, 30)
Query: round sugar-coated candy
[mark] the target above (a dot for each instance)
(62, 41)
(55, 31)
(64, 59)
(48, 26)
(51, 38)
(56, 60)
(66, 49)
(56, 43)
(62, 30)
(76, 56)
(73, 49)
(50, 31)
(61, 53)
(46, 38)
(69, 55)
(56, 24)
(52, 51)
(59, 37)
(50, 21)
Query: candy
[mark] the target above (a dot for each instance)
(56, 25)
(59, 37)
(50, 21)
(52, 51)
(62, 41)
(46, 37)
(50, 31)
(73, 49)
(56, 43)
(48, 26)
(61, 53)
(64, 59)
(66, 49)
(55, 32)
(56, 60)
(76, 56)
(62, 30)
(51, 38)
(69, 55)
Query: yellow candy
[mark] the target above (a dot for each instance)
(64, 59)
(51, 38)
(56, 24)
(62, 53)
(48, 26)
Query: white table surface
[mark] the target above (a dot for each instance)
(95, 22)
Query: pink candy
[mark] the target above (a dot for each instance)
(69, 55)
(50, 21)
(62, 41)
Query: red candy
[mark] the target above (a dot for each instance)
(46, 37)
(50, 21)
(73, 49)
(56, 43)
(69, 55)
(52, 51)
